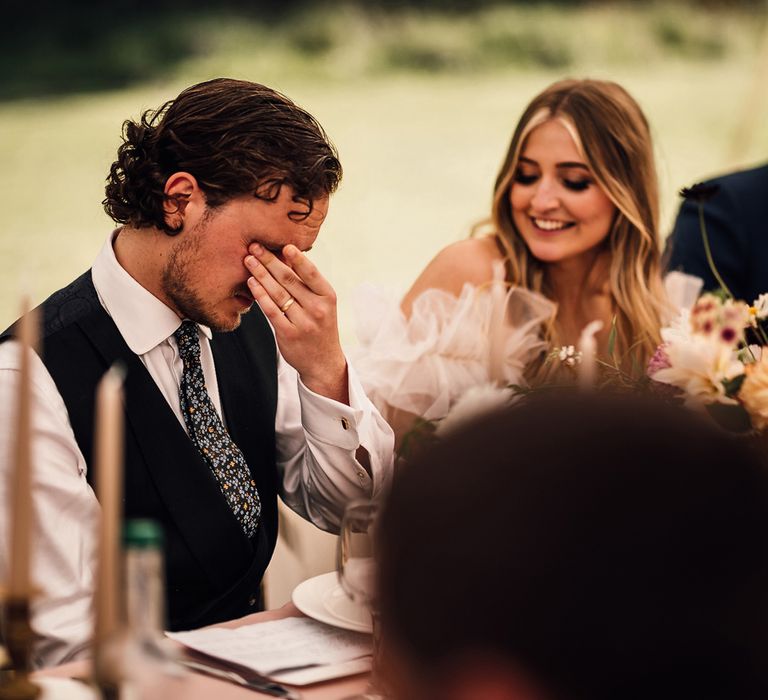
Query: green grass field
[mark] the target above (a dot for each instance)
(421, 108)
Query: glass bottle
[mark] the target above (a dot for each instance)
(144, 583)
(150, 662)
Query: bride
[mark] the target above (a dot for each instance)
(572, 238)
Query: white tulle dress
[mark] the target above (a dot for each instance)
(424, 364)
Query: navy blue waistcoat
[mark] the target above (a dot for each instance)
(213, 571)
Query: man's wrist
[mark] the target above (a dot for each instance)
(332, 384)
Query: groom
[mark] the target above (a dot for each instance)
(220, 194)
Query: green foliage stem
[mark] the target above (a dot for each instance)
(708, 252)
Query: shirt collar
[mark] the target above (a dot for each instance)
(142, 319)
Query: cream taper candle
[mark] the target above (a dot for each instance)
(108, 460)
(588, 349)
(21, 489)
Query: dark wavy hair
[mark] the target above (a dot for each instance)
(236, 137)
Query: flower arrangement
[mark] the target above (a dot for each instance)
(716, 354)
(705, 354)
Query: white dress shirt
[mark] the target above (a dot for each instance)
(316, 441)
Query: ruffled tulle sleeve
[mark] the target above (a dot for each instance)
(424, 364)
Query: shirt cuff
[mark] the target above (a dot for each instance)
(332, 422)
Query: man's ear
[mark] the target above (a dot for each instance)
(182, 193)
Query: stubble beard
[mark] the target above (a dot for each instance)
(178, 286)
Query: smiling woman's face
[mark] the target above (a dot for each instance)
(558, 208)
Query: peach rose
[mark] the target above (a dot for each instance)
(754, 392)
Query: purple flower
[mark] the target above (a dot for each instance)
(660, 360)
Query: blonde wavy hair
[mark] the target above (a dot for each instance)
(613, 136)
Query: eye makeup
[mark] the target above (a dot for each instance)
(577, 185)
(524, 178)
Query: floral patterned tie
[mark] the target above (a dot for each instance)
(210, 436)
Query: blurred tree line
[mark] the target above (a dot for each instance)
(53, 47)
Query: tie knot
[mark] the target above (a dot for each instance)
(187, 340)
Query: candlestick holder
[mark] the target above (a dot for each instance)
(17, 637)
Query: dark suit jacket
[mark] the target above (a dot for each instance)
(737, 228)
(213, 571)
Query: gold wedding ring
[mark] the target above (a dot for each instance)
(287, 304)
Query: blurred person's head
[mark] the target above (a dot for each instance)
(578, 548)
(578, 181)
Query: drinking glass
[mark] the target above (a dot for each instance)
(355, 564)
(354, 561)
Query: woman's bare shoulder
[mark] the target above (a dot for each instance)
(467, 261)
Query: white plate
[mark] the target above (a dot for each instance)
(321, 598)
